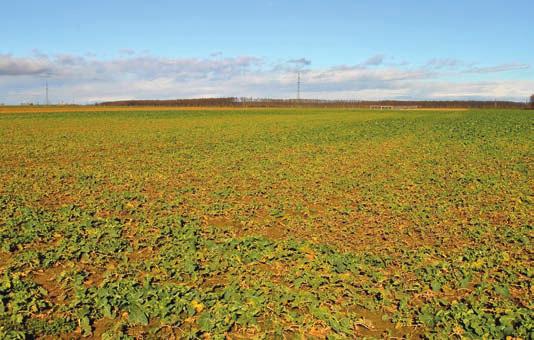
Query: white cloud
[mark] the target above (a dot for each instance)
(441, 63)
(375, 60)
(126, 51)
(86, 79)
(300, 61)
(498, 68)
(13, 66)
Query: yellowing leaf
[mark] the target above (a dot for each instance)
(198, 306)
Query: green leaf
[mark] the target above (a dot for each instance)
(85, 325)
(436, 285)
(206, 322)
(502, 290)
(136, 315)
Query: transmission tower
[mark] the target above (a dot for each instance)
(298, 85)
(46, 90)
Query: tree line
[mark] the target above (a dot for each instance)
(269, 102)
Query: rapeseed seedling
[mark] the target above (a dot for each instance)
(266, 223)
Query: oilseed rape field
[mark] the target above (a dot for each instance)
(265, 223)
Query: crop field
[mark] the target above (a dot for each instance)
(266, 223)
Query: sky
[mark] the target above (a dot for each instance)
(94, 51)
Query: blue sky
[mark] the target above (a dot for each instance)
(347, 49)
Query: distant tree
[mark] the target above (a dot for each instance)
(532, 101)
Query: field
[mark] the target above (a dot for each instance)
(266, 223)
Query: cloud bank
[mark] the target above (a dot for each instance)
(133, 75)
